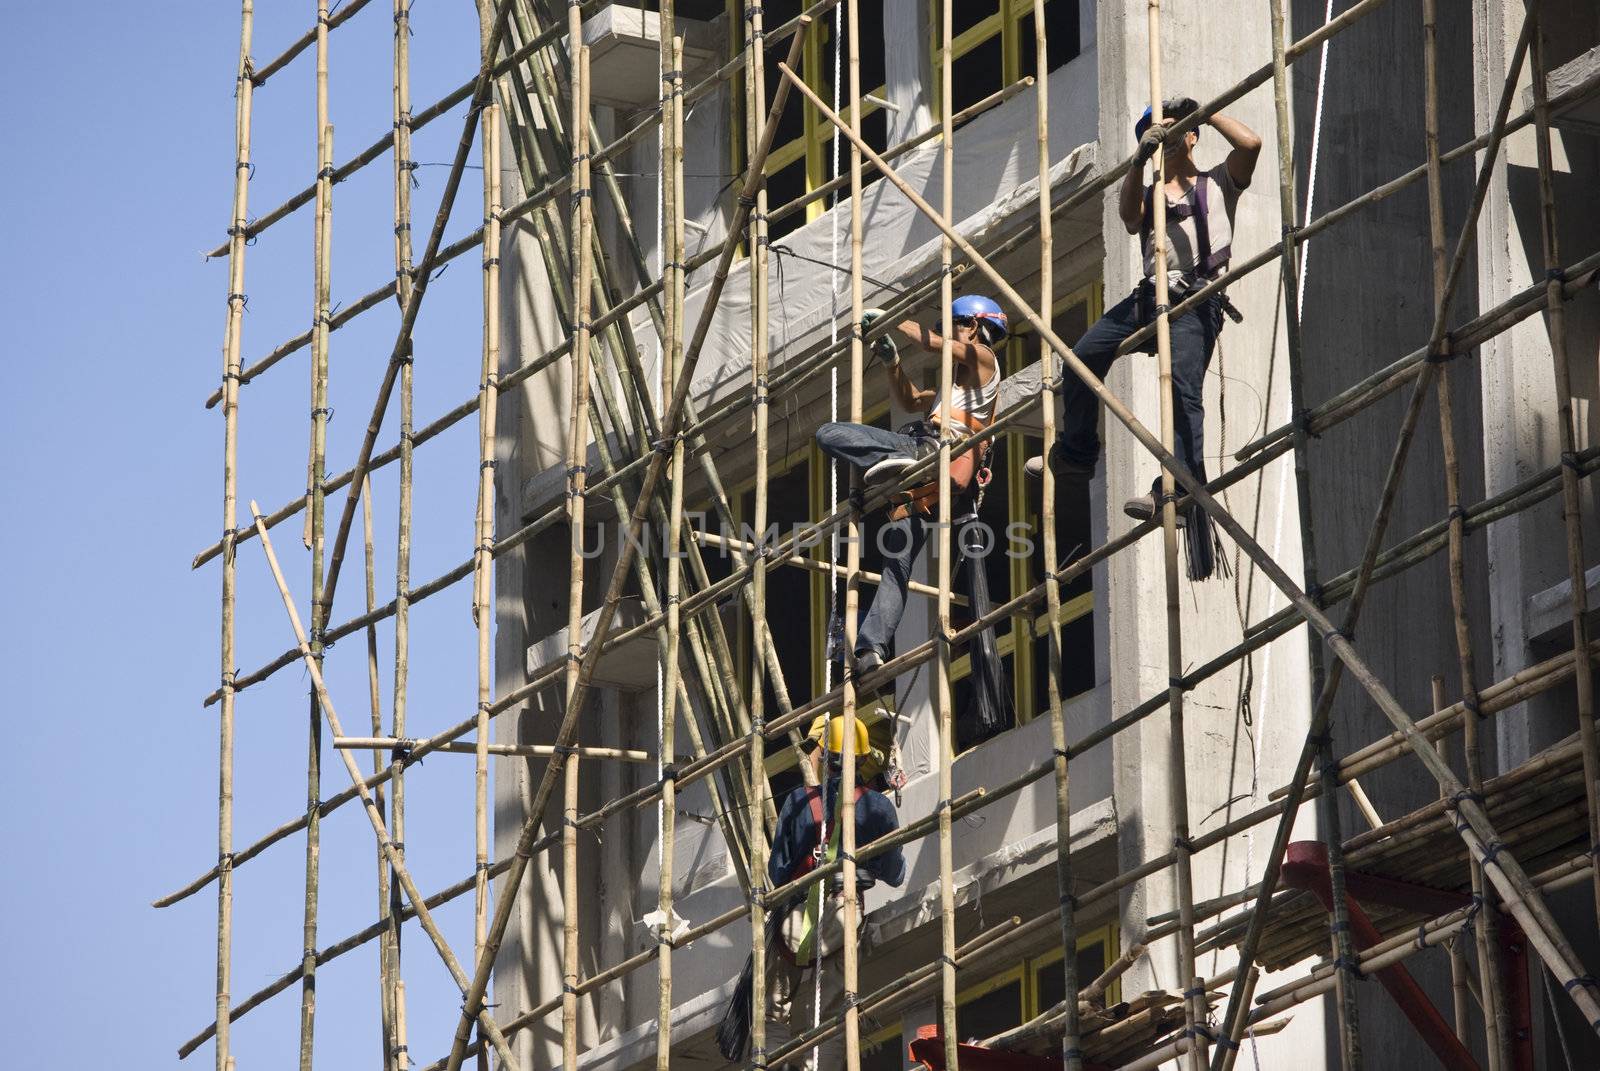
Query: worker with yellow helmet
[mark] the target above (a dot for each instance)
(806, 933)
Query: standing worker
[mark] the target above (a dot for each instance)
(805, 968)
(1199, 241)
(979, 326)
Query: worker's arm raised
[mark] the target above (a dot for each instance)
(908, 394)
(978, 358)
(1246, 148)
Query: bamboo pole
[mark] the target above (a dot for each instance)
(577, 459)
(756, 104)
(316, 35)
(402, 557)
(316, 497)
(1194, 1011)
(943, 699)
(375, 703)
(1348, 1015)
(812, 565)
(483, 610)
(543, 751)
(1497, 1022)
(419, 907)
(671, 363)
(1571, 502)
(1071, 1051)
(228, 671)
(1477, 831)
(1458, 958)
(674, 411)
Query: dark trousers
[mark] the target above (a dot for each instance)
(859, 445)
(1194, 338)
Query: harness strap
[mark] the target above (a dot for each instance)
(1207, 262)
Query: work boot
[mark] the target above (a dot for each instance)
(867, 659)
(1143, 508)
(1060, 464)
(886, 471)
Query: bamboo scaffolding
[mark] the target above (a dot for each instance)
(386, 943)
(1503, 695)
(1194, 1008)
(739, 727)
(232, 334)
(1509, 877)
(313, 536)
(1571, 503)
(1459, 984)
(391, 743)
(424, 917)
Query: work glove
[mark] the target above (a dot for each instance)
(883, 348)
(1150, 144)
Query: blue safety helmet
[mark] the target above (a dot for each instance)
(985, 313)
(1176, 108)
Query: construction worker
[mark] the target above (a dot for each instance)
(806, 962)
(1200, 211)
(979, 325)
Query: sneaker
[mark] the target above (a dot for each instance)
(887, 471)
(867, 659)
(1059, 464)
(1143, 508)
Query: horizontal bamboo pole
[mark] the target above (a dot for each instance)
(259, 76)
(544, 751)
(800, 561)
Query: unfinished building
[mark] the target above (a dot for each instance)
(1184, 817)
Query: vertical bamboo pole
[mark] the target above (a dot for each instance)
(243, 93)
(402, 582)
(577, 458)
(1458, 959)
(1496, 1014)
(375, 703)
(1071, 1053)
(845, 807)
(1177, 781)
(756, 104)
(942, 697)
(483, 555)
(315, 523)
(1350, 1052)
(1571, 504)
(672, 357)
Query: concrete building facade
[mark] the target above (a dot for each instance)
(1357, 118)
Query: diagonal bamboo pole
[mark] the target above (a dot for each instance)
(578, 683)
(1071, 1050)
(232, 334)
(375, 703)
(316, 35)
(943, 698)
(424, 916)
(1476, 830)
(1177, 775)
(1571, 501)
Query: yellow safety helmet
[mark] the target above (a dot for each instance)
(829, 732)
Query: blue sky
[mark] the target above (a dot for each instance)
(117, 164)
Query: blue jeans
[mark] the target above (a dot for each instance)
(859, 445)
(1194, 338)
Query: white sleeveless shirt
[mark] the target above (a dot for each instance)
(974, 400)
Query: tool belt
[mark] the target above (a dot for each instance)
(969, 470)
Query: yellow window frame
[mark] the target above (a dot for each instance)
(1005, 23)
(813, 141)
(1029, 969)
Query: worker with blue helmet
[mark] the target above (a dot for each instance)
(978, 327)
(1199, 235)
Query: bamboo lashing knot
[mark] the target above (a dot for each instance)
(1198, 1030)
(1569, 460)
(1183, 844)
(490, 262)
(324, 411)
(1304, 422)
(669, 772)
(488, 463)
(747, 202)
(1194, 991)
(1465, 795)
(244, 303)
(247, 166)
(665, 444)
(1422, 937)
(1585, 981)
(328, 173)
(1555, 275)
(1351, 965)
(1178, 683)
(1322, 739)
(1072, 1054)
(1061, 753)
(1223, 1041)
(1491, 853)
(947, 961)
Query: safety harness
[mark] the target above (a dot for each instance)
(968, 469)
(803, 954)
(1208, 263)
